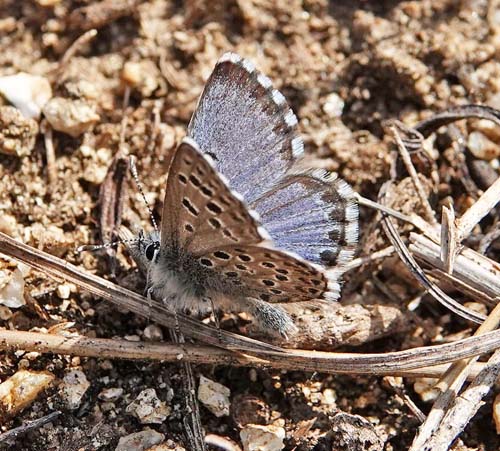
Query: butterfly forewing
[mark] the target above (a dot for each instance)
(199, 210)
(247, 126)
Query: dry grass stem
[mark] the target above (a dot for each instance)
(50, 154)
(473, 269)
(360, 261)
(436, 292)
(74, 48)
(448, 238)
(386, 363)
(196, 354)
(478, 211)
(13, 434)
(405, 156)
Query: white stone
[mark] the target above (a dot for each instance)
(153, 333)
(72, 117)
(482, 147)
(28, 93)
(425, 388)
(63, 291)
(333, 105)
(110, 394)
(21, 389)
(73, 388)
(12, 288)
(148, 408)
(214, 396)
(255, 437)
(140, 441)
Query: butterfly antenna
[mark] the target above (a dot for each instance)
(96, 247)
(133, 171)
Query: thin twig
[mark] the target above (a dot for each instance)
(193, 427)
(405, 156)
(13, 434)
(478, 211)
(384, 209)
(85, 38)
(449, 240)
(50, 154)
(490, 237)
(13, 340)
(473, 269)
(419, 274)
(360, 261)
(465, 406)
(399, 389)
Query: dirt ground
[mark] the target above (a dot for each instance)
(345, 67)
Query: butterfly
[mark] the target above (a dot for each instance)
(243, 228)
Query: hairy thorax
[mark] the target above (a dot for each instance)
(184, 285)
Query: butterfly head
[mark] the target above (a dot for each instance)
(145, 249)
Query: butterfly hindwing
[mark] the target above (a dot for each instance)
(312, 214)
(269, 274)
(247, 126)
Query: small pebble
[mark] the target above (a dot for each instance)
(424, 387)
(72, 117)
(5, 313)
(333, 105)
(63, 291)
(248, 409)
(140, 441)
(214, 396)
(21, 389)
(28, 93)
(482, 147)
(73, 388)
(255, 437)
(12, 288)
(148, 408)
(142, 75)
(110, 394)
(153, 333)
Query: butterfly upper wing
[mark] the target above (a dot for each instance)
(252, 133)
(199, 210)
(247, 127)
(314, 215)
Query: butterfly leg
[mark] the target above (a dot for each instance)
(216, 317)
(167, 301)
(149, 296)
(273, 319)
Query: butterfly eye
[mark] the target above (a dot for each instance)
(151, 250)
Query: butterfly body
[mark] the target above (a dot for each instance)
(242, 229)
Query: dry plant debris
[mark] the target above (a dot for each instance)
(124, 78)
